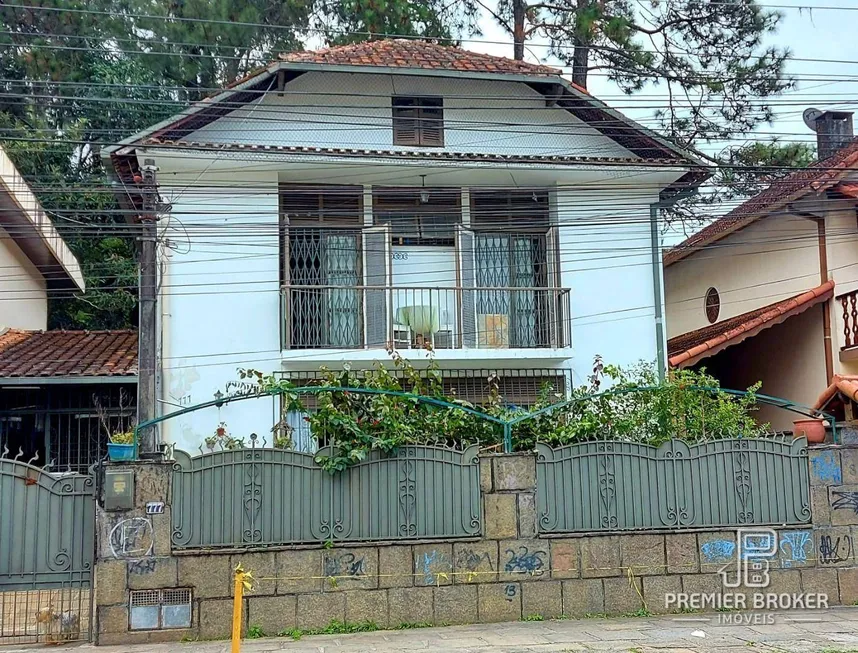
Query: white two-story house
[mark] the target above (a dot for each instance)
(396, 193)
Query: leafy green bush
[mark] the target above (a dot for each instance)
(688, 405)
(637, 407)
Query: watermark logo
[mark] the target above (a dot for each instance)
(754, 548)
(747, 574)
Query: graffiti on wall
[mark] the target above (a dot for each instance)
(525, 561)
(835, 549)
(845, 501)
(795, 547)
(346, 564)
(132, 538)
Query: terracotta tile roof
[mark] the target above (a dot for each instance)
(814, 178)
(690, 347)
(36, 354)
(413, 53)
(845, 384)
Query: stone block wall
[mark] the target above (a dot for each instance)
(508, 574)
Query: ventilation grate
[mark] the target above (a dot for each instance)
(176, 597)
(145, 597)
(160, 609)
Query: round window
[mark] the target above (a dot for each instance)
(713, 305)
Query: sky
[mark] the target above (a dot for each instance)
(827, 31)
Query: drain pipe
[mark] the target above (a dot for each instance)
(655, 251)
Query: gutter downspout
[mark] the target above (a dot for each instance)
(826, 306)
(655, 252)
(823, 277)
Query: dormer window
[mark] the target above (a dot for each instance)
(418, 121)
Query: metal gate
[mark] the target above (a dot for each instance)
(47, 546)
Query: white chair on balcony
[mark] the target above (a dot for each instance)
(421, 321)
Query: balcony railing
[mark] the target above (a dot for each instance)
(359, 317)
(849, 304)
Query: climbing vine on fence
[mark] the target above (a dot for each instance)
(389, 410)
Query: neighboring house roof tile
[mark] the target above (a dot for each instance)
(688, 348)
(39, 354)
(779, 193)
(845, 384)
(413, 53)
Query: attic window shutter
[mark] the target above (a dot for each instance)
(431, 120)
(418, 121)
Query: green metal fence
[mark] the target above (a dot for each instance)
(47, 545)
(260, 496)
(615, 486)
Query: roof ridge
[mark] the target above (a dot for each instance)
(412, 46)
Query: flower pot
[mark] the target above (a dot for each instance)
(812, 428)
(121, 452)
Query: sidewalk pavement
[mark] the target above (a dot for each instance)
(810, 631)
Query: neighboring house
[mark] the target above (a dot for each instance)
(33, 257)
(397, 194)
(768, 292)
(53, 384)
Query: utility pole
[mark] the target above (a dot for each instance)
(519, 12)
(146, 363)
(655, 252)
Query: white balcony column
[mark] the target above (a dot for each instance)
(466, 207)
(367, 205)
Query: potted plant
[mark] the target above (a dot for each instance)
(122, 446)
(813, 428)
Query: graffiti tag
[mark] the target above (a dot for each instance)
(718, 550)
(525, 562)
(846, 501)
(509, 592)
(795, 547)
(834, 549)
(471, 560)
(141, 567)
(345, 565)
(132, 538)
(430, 559)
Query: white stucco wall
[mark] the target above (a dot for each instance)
(788, 359)
(350, 110)
(842, 242)
(220, 300)
(23, 295)
(605, 259)
(768, 261)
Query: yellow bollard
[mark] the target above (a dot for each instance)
(236, 608)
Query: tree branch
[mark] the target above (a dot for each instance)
(503, 23)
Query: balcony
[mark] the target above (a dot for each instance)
(411, 317)
(849, 305)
